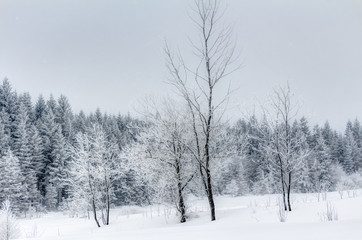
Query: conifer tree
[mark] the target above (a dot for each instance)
(324, 166)
(12, 182)
(23, 152)
(57, 170)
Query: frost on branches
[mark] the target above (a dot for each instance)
(93, 171)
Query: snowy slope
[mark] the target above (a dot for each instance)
(250, 217)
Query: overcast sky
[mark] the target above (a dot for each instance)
(108, 54)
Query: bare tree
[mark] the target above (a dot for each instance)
(93, 171)
(162, 154)
(286, 149)
(215, 53)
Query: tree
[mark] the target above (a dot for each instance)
(93, 171)
(324, 166)
(8, 226)
(351, 151)
(64, 116)
(23, 152)
(162, 153)
(12, 182)
(57, 171)
(215, 53)
(47, 130)
(286, 148)
(40, 108)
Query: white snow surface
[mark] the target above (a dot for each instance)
(249, 217)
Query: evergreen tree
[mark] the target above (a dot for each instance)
(324, 166)
(4, 140)
(57, 171)
(48, 129)
(23, 152)
(25, 99)
(64, 116)
(52, 104)
(12, 182)
(40, 108)
(351, 157)
(37, 158)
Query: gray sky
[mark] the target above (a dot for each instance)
(108, 54)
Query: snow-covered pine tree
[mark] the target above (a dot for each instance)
(57, 171)
(4, 140)
(351, 156)
(64, 117)
(12, 182)
(323, 167)
(47, 128)
(22, 151)
(38, 160)
(25, 100)
(40, 107)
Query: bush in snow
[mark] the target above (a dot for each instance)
(331, 214)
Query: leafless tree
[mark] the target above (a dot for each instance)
(162, 154)
(286, 149)
(93, 169)
(216, 60)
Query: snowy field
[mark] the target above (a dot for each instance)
(250, 217)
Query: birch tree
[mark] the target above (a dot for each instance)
(198, 85)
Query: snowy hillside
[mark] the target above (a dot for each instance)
(250, 217)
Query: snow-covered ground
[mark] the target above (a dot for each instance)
(250, 217)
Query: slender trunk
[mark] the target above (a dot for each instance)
(95, 212)
(108, 199)
(283, 182)
(108, 209)
(283, 190)
(181, 204)
(289, 186)
(203, 178)
(210, 196)
(93, 202)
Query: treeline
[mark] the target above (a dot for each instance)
(333, 160)
(54, 159)
(35, 148)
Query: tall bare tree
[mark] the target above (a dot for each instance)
(286, 149)
(216, 60)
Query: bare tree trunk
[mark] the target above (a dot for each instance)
(283, 191)
(210, 196)
(181, 204)
(95, 212)
(289, 186)
(93, 202)
(282, 178)
(108, 200)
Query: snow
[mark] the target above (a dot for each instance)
(249, 217)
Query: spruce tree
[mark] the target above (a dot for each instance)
(22, 150)
(12, 182)
(57, 172)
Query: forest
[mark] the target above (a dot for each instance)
(55, 160)
(86, 165)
